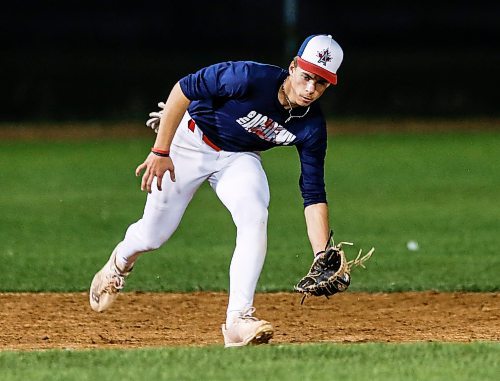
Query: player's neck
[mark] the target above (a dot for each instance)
(283, 95)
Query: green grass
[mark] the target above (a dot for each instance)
(64, 206)
(384, 362)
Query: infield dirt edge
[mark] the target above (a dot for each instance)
(33, 321)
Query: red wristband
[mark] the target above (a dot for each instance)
(160, 152)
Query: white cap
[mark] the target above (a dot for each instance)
(320, 54)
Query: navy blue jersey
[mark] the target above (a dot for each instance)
(236, 106)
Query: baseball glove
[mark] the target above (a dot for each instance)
(330, 272)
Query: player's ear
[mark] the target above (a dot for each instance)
(291, 67)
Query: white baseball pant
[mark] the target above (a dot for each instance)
(240, 183)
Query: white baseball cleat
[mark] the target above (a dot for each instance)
(247, 330)
(106, 285)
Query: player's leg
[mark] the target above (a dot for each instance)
(162, 214)
(164, 209)
(243, 188)
(194, 162)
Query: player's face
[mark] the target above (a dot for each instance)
(306, 86)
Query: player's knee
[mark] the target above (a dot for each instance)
(147, 241)
(152, 245)
(155, 239)
(247, 213)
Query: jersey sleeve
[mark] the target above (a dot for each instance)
(222, 80)
(312, 164)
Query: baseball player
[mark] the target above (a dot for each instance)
(212, 128)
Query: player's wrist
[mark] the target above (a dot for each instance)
(160, 152)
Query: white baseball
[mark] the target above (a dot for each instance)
(412, 245)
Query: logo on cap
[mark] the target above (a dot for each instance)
(324, 56)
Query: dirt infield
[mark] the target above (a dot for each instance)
(64, 320)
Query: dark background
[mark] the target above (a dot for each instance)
(113, 60)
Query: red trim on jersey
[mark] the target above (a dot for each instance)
(318, 70)
(191, 126)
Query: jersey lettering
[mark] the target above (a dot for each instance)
(265, 128)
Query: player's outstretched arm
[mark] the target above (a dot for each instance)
(155, 165)
(318, 226)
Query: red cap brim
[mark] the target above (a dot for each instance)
(318, 70)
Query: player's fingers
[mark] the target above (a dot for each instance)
(143, 181)
(139, 169)
(159, 180)
(149, 182)
(145, 178)
(172, 175)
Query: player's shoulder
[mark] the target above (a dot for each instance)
(255, 69)
(266, 70)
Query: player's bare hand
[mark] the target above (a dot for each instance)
(155, 166)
